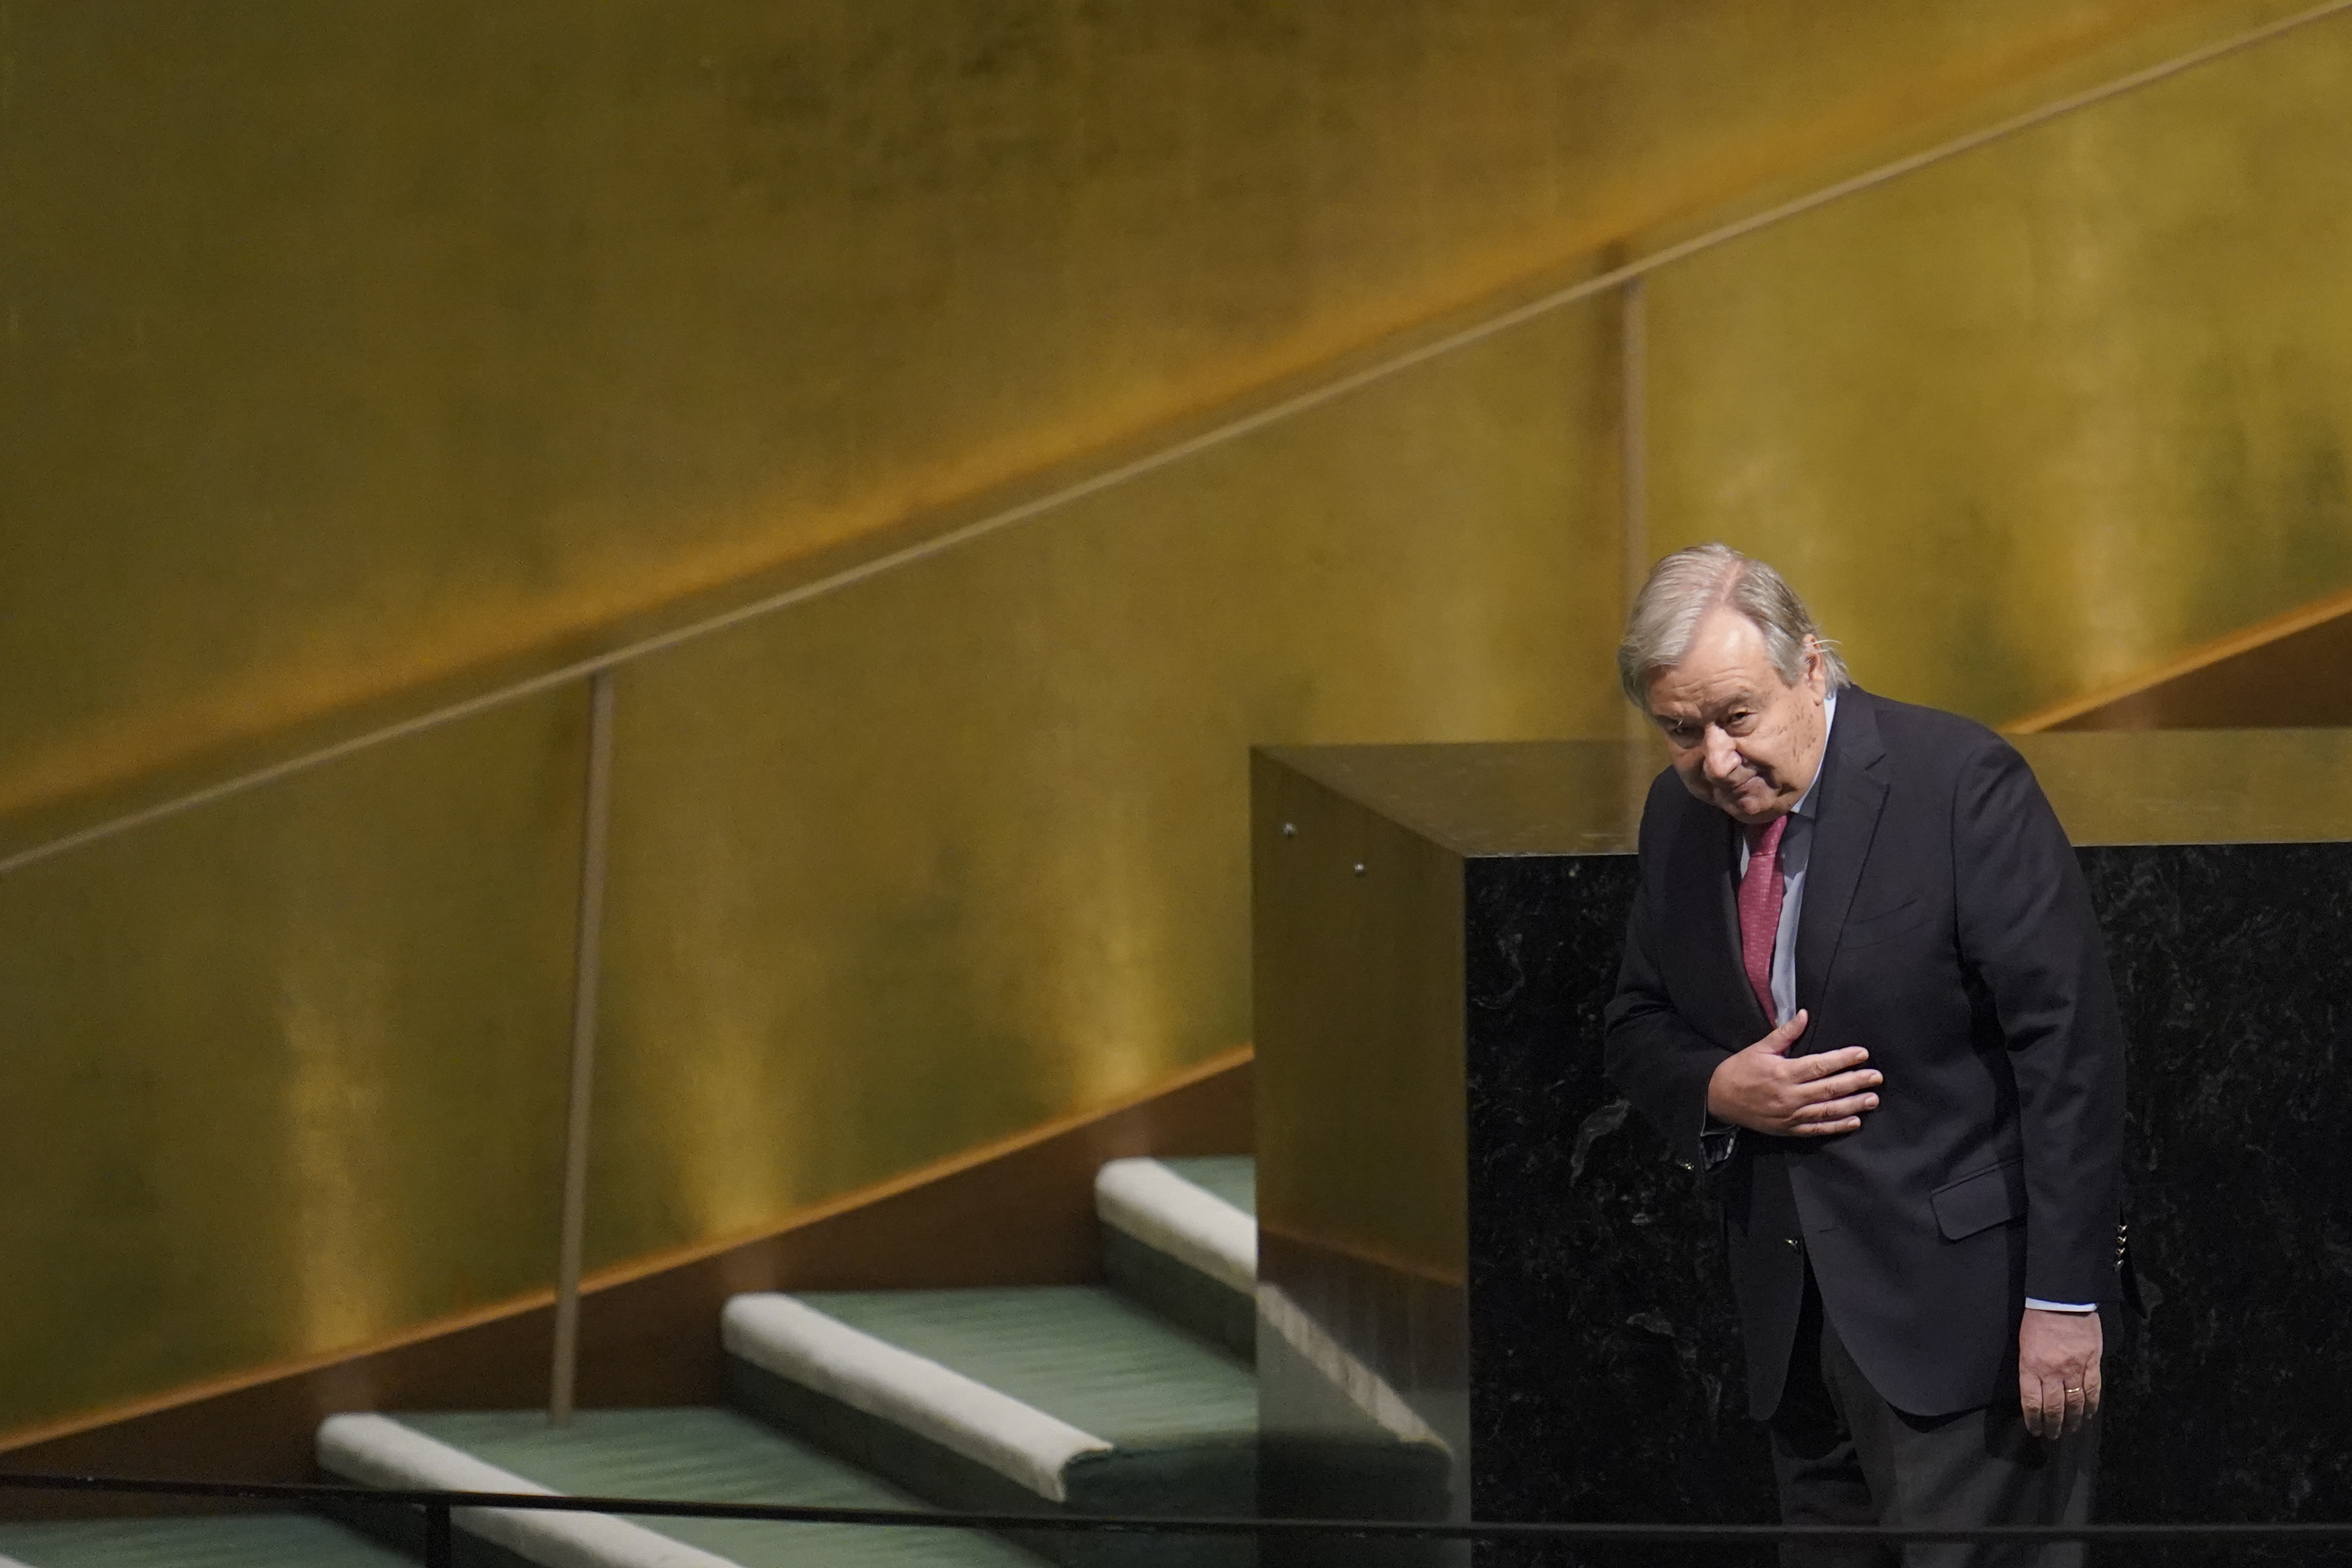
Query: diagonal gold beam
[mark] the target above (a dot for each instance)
(2237, 645)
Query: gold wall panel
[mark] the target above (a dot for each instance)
(287, 1074)
(966, 847)
(2051, 414)
(341, 347)
(345, 346)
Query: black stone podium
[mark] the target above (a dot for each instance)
(1484, 1280)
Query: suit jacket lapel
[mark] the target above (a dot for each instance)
(1854, 791)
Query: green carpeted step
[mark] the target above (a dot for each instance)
(1181, 1236)
(1068, 1398)
(1082, 1355)
(715, 1455)
(225, 1540)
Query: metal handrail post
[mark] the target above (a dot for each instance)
(1634, 504)
(440, 1550)
(1633, 434)
(595, 826)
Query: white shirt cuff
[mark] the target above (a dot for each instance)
(2042, 1306)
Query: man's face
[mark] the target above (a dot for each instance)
(1743, 741)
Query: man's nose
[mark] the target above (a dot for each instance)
(1722, 756)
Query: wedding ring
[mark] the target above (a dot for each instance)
(2074, 1391)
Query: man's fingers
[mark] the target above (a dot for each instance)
(1838, 1087)
(1824, 1129)
(2029, 1401)
(1822, 1065)
(1824, 1117)
(1844, 1110)
(2054, 1409)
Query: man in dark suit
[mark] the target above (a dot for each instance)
(1864, 988)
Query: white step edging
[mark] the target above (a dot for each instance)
(378, 1451)
(798, 1342)
(1160, 1209)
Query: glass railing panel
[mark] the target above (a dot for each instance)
(284, 1075)
(963, 848)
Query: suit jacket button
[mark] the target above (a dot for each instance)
(1792, 1241)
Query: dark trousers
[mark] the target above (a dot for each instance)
(1844, 1456)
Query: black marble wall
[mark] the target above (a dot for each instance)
(1604, 1373)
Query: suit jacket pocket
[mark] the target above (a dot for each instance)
(1981, 1200)
(1881, 925)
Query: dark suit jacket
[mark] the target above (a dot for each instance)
(1947, 927)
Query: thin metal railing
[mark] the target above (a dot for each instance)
(599, 670)
(587, 972)
(440, 1509)
(1634, 436)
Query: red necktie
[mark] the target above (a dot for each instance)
(1760, 913)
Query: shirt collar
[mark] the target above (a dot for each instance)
(1807, 806)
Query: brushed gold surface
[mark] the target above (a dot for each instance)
(1559, 797)
(967, 847)
(2051, 414)
(1356, 944)
(2198, 785)
(343, 348)
(288, 1075)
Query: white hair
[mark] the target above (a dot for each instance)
(1688, 583)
